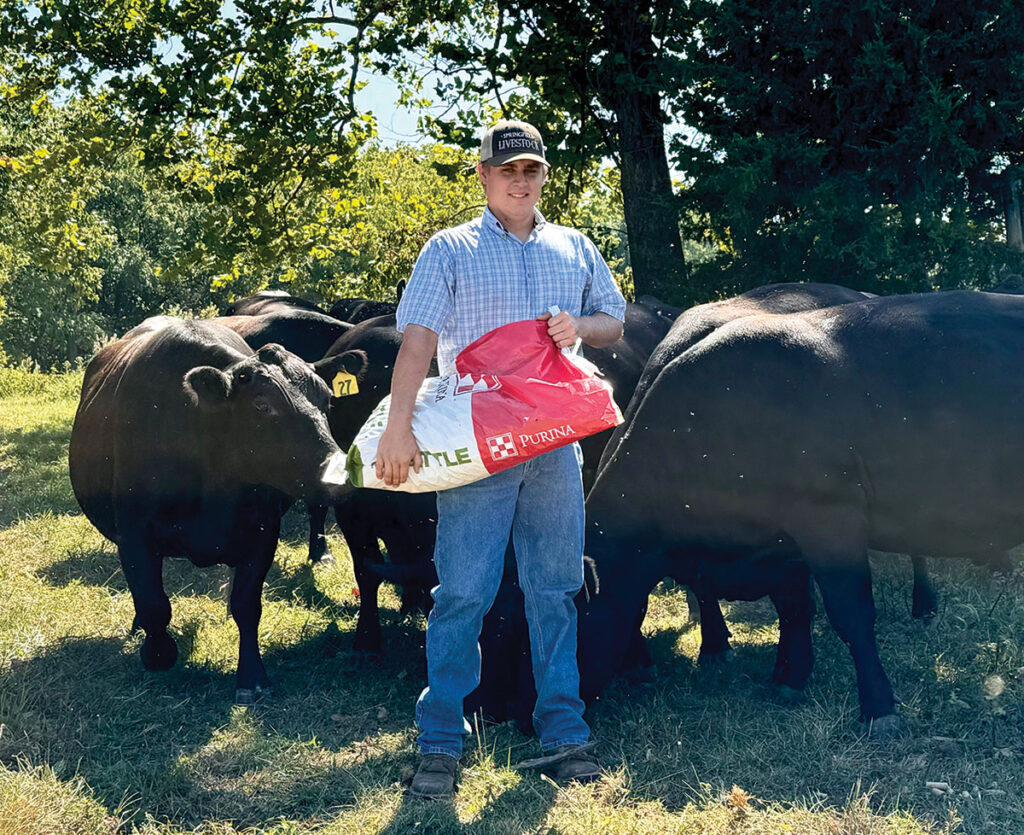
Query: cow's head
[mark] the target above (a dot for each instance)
(266, 421)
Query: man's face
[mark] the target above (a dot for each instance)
(513, 189)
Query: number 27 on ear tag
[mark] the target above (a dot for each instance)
(344, 384)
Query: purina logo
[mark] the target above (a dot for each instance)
(502, 447)
(474, 384)
(555, 435)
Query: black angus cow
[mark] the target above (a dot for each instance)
(186, 443)
(270, 301)
(305, 333)
(405, 523)
(689, 328)
(359, 310)
(308, 335)
(782, 443)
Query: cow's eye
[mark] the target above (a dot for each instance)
(244, 377)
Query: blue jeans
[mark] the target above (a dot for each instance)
(541, 503)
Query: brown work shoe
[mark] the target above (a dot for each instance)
(435, 778)
(575, 764)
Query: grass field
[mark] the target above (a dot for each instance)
(92, 743)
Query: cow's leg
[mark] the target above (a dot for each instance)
(795, 656)
(925, 600)
(524, 696)
(318, 550)
(252, 681)
(362, 543)
(414, 564)
(844, 578)
(714, 634)
(143, 573)
(638, 667)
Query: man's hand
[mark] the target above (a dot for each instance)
(598, 330)
(563, 328)
(396, 451)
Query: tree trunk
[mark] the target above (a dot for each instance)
(1012, 210)
(652, 219)
(650, 207)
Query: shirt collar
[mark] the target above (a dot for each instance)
(491, 221)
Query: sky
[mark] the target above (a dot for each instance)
(394, 124)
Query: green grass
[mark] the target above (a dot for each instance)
(91, 743)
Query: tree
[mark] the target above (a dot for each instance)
(247, 106)
(90, 229)
(86, 231)
(592, 74)
(854, 143)
(50, 164)
(401, 196)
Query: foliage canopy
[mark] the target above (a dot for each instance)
(159, 155)
(861, 144)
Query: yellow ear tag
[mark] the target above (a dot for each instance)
(344, 384)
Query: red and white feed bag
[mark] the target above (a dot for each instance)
(514, 395)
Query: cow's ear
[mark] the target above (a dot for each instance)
(207, 387)
(399, 290)
(350, 362)
(272, 354)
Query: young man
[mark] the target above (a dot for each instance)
(507, 265)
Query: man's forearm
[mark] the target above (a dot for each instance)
(599, 330)
(411, 367)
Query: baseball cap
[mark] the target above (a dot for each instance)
(508, 141)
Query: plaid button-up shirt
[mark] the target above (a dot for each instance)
(476, 277)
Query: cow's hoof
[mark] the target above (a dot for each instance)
(714, 659)
(246, 697)
(926, 619)
(787, 695)
(884, 728)
(159, 653)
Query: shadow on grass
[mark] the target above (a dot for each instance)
(174, 743)
(300, 586)
(91, 568)
(526, 804)
(100, 567)
(103, 569)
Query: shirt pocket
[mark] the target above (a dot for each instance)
(566, 284)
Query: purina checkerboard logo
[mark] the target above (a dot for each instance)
(476, 383)
(502, 447)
